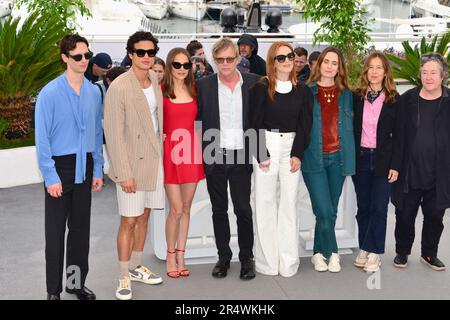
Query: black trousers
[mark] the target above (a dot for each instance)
(73, 208)
(239, 178)
(432, 222)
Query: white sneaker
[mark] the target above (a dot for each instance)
(373, 263)
(318, 260)
(145, 275)
(334, 264)
(123, 291)
(361, 259)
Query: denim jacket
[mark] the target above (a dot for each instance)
(313, 158)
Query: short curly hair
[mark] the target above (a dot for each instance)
(141, 36)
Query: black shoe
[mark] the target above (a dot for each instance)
(433, 262)
(53, 296)
(221, 268)
(401, 261)
(247, 269)
(82, 294)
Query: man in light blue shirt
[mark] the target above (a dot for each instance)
(69, 147)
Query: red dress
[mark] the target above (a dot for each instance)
(183, 162)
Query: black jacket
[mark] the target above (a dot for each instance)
(208, 113)
(385, 135)
(257, 64)
(304, 74)
(406, 128)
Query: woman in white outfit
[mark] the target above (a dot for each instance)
(281, 112)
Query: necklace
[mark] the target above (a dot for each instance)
(328, 94)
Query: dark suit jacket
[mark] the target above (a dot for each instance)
(385, 135)
(406, 126)
(208, 112)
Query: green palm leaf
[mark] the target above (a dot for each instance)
(408, 68)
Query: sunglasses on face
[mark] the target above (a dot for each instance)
(282, 57)
(141, 52)
(227, 59)
(186, 66)
(78, 57)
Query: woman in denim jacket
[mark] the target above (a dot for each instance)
(330, 156)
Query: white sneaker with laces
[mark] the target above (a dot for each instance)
(373, 263)
(334, 264)
(145, 275)
(361, 259)
(318, 260)
(123, 291)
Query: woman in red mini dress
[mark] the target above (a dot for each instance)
(183, 167)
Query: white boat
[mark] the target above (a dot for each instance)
(428, 26)
(111, 17)
(431, 8)
(5, 8)
(155, 9)
(188, 9)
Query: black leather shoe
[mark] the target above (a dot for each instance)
(221, 268)
(82, 294)
(247, 269)
(53, 296)
(401, 261)
(433, 262)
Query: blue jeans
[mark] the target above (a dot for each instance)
(372, 194)
(325, 188)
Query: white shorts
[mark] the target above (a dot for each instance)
(133, 204)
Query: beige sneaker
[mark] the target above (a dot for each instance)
(334, 264)
(318, 260)
(373, 263)
(361, 259)
(123, 291)
(144, 275)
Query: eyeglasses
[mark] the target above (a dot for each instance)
(178, 65)
(282, 57)
(227, 59)
(78, 57)
(141, 52)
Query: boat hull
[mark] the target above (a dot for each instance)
(188, 10)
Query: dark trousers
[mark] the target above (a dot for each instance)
(372, 195)
(325, 188)
(406, 218)
(239, 178)
(73, 208)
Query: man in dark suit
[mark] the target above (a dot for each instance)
(223, 109)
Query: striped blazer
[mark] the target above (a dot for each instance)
(133, 148)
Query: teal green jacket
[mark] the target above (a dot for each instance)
(313, 158)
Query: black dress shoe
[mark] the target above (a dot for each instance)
(53, 296)
(82, 294)
(247, 269)
(221, 268)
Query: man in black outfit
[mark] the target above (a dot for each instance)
(223, 105)
(423, 148)
(248, 48)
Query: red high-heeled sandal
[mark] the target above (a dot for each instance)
(175, 273)
(185, 272)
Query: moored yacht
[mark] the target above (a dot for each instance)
(155, 9)
(5, 8)
(188, 9)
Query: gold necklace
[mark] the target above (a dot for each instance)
(328, 94)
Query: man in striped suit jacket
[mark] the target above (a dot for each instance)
(133, 130)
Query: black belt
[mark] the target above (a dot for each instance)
(368, 149)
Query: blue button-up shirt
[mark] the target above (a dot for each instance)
(68, 123)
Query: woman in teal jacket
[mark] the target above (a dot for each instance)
(330, 156)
